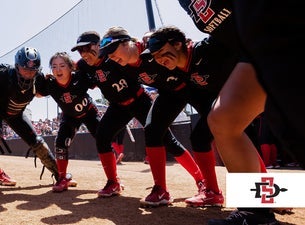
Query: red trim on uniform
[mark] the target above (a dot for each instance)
(180, 87)
(140, 91)
(186, 68)
(127, 102)
(12, 114)
(66, 84)
(131, 100)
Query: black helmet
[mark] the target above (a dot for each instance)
(28, 58)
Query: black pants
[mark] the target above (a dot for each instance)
(167, 107)
(22, 125)
(116, 117)
(70, 125)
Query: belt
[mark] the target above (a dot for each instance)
(180, 87)
(131, 100)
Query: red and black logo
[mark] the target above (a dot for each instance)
(266, 190)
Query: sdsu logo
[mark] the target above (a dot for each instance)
(201, 80)
(102, 76)
(146, 78)
(266, 190)
(261, 190)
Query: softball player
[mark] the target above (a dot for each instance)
(69, 90)
(243, 97)
(174, 94)
(127, 99)
(17, 87)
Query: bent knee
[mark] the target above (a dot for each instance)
(222, 123)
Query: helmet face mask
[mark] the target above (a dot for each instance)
(26, 73)
(27, 63)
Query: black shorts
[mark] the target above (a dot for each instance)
(272, 38)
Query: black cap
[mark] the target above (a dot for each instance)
(155, 44)
(109, 44)
(162, 36)
(86, 38)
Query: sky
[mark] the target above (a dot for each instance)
(55, 25)
(27, 18)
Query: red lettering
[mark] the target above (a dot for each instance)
(206, 15)
(203, 10)
(268, 189)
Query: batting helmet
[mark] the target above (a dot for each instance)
(28, 58)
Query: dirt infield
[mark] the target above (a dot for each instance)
(32, 202)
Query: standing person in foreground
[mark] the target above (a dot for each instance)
(174, 94)
(275, 54)
(69, 90)
(17, 87)
(235, 148)
(243, 97)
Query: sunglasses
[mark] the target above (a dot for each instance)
(107, 41)
(155, 44)
(85, 48)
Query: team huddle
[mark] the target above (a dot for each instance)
(222, 76)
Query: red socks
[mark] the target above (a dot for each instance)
(62, 165)
(109, 164)
(206, 163)
(157, 162)
(118, 148)
(188, 162)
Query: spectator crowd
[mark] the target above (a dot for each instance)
(42, 127)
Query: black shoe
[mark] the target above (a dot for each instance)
(239, 217)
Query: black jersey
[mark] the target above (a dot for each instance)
(14, 99)
(72, 98)
(116, 86)
(150, 73)
(214, 17)
(209, 65)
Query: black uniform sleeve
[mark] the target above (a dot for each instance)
(4, 86)
(4, 69)
(89, 79)
(41, 85)
(4, 79)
